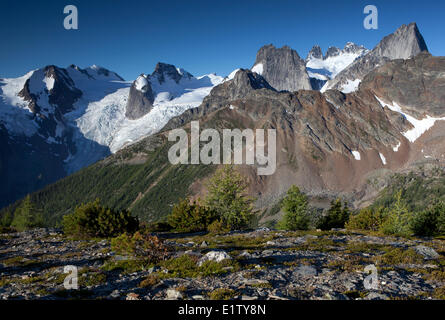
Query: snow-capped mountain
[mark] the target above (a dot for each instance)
(323, 68)
(67, 118)
(404, 43)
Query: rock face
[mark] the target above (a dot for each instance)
(140, 100)
(243, 83)
(282, 68)
(417, 84)
(404, 43)
(315, 53)
(164, 70)
(332, 52)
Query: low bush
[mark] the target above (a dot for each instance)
(222, 294)
(191, 217)
(142, 248)
(93, 220)
(218, 227)
(367, 219)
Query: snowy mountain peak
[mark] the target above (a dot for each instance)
(322, 69)
(141, 83)
(100, 73)
(351, 47)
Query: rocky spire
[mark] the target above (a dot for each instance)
(282, 68)
(140, 99)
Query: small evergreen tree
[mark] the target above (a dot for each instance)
(6, 219)
(27, 216)
(399, 219)
(336, 217)
(429, 222)
(295, 207)
(227, 198)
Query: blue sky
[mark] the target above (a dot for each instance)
(130, 37)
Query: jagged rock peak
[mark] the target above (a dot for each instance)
(351, 47)
(404, 43)
(165, 70)
(141, 98)
(332, 52)
(315, 53)
(282, 68)
(246, 79)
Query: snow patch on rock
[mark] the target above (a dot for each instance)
(382, 157)
(351, 86)
(356, 155)
(420, 126)
(258, 68)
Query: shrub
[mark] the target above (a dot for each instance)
(93, 220)
(336, 217)
(398, 256)
(295, 207)
(367, 219)
(227, 198)
(6, 219)
(218, 227)
(429, 222)
(190, 217)
(222, 294)
(159, 226)
(27, 216)
(398, 221)
(143, 248)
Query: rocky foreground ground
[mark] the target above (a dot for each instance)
(260, 264)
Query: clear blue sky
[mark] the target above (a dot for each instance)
(201, 36)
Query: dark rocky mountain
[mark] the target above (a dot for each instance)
(282, 68)
(164, 70)
(404, 43)
(141, 98)
(332, 52)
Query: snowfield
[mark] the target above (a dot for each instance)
(420, 126)
(99, 114)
